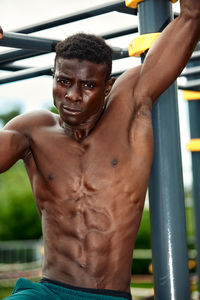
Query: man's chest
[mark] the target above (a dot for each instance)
(62, 163)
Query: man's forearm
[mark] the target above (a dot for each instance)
(171, 52)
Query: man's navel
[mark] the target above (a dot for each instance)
(51, 176)
(114, 162)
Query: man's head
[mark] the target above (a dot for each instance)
(86, 47)
(82, 79)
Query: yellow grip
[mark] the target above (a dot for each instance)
(134, 3)
(194, 145)
(191, 95)
(142, 43)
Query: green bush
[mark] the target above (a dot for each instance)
(19, 218)
(143, 240)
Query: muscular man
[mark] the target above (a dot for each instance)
(89, 166)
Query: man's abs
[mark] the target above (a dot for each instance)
(90, 197)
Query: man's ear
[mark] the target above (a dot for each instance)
(109, 85)
(53, 72)
(1, 33)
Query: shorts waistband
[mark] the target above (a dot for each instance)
(106, 292)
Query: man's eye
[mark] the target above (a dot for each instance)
(63, 81)
(89, 85)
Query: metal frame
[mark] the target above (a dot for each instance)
(84, 14)
(16, 40)
(11, 56)
(166, 186)
(194, 109)
(193, 85)
(24, 41)
(26, 74)
(36, 46)
(166, 193)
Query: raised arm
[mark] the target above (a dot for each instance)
(170, 53)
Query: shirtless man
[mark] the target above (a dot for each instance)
(89, 166)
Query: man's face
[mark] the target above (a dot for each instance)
(79, 90)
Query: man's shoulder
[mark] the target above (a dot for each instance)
(40, 117)
(126, 81)
(29, 120)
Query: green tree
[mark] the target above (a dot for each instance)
(19, 218)
(7, 116)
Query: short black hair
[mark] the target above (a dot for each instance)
(86, 47)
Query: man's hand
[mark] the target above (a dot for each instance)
(1, 33)
(190, 8)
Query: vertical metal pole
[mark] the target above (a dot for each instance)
(169, 242)
(194, 110)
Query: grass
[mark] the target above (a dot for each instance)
(7, 286)
(5, 292)
(147, 285)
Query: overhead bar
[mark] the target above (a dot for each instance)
(24, 41)
(34, 72)
(13, 67)
(26, 74)
(77, 16)
(193, 85)
(122, 32)
(11, 56)
(191, 71)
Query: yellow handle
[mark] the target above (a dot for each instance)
(142, 43)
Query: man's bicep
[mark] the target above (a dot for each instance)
(168, 56)
(13, 146)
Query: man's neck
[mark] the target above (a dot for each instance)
(80, 132)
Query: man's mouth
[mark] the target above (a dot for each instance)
(71, 110)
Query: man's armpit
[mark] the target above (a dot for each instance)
(143, 111)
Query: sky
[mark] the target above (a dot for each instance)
(36, 93)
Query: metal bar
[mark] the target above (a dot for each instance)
(11, 56)
(194, 109)
(127, 10)
(13, 67)
(196, 54)
(35, 72)
(4, 58)
(119, 53)
(193, 85)
(119, 33)
(24, 41)
(117, 74)
(191, 72)
(168, 226)
(25, 74)
(81, 15)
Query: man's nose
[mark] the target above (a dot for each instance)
(73, 94)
